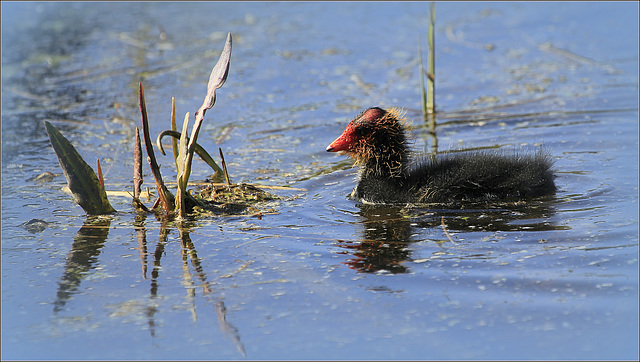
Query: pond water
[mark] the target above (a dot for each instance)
(321, 276)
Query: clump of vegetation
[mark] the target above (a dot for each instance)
(88, 188)
(230, 199)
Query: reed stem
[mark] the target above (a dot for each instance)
(431, 75)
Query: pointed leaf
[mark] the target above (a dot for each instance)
(82, 180)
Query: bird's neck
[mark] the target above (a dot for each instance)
(385, 162)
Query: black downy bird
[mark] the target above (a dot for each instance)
(376, 140)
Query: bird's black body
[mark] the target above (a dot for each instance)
(459, 177)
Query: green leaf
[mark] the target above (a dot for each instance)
(200, 151)
(82, 180)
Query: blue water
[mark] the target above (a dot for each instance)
(322, 276)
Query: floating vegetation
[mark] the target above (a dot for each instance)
(232, 199)
(220, 199)
(235, 193)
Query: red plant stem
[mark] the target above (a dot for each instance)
(152, 157)
(100, 179)
(137, 165)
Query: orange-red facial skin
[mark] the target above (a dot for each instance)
(346, 141)
(354, 138)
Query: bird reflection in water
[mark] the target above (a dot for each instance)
(385, 239)
(388, 230)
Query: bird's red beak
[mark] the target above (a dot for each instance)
(343, 142)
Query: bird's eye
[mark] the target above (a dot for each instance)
(362, 130)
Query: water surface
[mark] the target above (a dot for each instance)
(322, 276)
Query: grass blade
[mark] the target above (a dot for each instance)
(431, 76)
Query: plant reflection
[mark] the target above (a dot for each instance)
(141, 235)
(84, 256)
(189, 252)
(389, 230)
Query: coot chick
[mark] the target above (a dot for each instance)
(376, 140)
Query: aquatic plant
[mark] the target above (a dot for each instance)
(224, 198)
(88, 189)
(187, 146)
(428, 94)
(165, 197)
